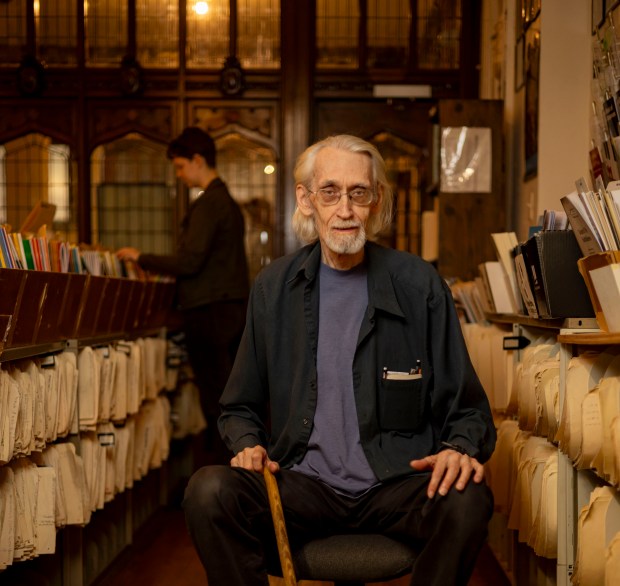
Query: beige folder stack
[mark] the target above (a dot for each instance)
(135, 378)
(533, 513)
(155, 350)
(522, 474)
(7, 516)
(501, 468)
(38, 403)
(38, 494)
(186, 412)
(70, 502)
(596, 530)
(584, 374)
(612, 561)
(118, 406)
(89, 383)
(542, 354)
(598, 409)
(484, 341)
(106, 360)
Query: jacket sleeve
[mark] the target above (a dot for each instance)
(244, 401)
(460, 406)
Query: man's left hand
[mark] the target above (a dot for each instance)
(447, 467)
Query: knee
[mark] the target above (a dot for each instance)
(203, 494)
(469, 510)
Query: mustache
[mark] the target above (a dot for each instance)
(346, 224)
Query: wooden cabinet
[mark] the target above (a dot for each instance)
(45, 315)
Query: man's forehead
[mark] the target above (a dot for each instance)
(330, 159)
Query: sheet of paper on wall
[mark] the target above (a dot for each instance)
(466, 163)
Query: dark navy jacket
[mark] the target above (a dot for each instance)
(410, 317)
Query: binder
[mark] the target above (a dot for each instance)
(560, 292)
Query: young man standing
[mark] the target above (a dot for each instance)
(211, 272)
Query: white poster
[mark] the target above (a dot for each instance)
(465, 160)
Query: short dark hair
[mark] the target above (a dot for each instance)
(193, 141)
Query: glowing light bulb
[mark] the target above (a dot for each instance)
(201, 8)
(269, 169)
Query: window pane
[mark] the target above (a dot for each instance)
(439, 34)
(56, 30)
(13, 38)
(258, 38)
(35, 169)
(157, 33)
(337, 25)
(132, 195)
(207, 33)
(106, 31)
(249, 170)
(388, 33)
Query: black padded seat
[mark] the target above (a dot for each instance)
(353, 559)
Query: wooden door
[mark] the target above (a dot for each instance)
(467, 218)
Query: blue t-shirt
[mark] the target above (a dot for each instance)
(335, 455)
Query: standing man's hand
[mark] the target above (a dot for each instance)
(254, 459)
(128, 253)
(447, 467)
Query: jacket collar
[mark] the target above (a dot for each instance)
(381, 293)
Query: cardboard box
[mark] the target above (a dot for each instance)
(590, 263)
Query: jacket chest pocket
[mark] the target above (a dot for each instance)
(401, 404)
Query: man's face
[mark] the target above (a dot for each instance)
(187, 170)
(341, 227)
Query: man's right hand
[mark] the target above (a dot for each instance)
(254, 459)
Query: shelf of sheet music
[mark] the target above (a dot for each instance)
(533, 429)
(96, 527)
(42, 307)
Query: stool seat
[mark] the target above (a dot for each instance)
(353, 558)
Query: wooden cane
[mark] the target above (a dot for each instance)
(277, 514)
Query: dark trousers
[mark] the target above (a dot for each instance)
(227, 513)
(212, 334)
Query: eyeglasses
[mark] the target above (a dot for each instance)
(361, 196)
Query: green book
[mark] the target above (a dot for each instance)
(28, 254)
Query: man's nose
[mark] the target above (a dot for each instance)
(344, 205)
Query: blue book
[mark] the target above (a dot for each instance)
(6, 260)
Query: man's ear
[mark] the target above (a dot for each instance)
(199, 159)
(303, 203)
